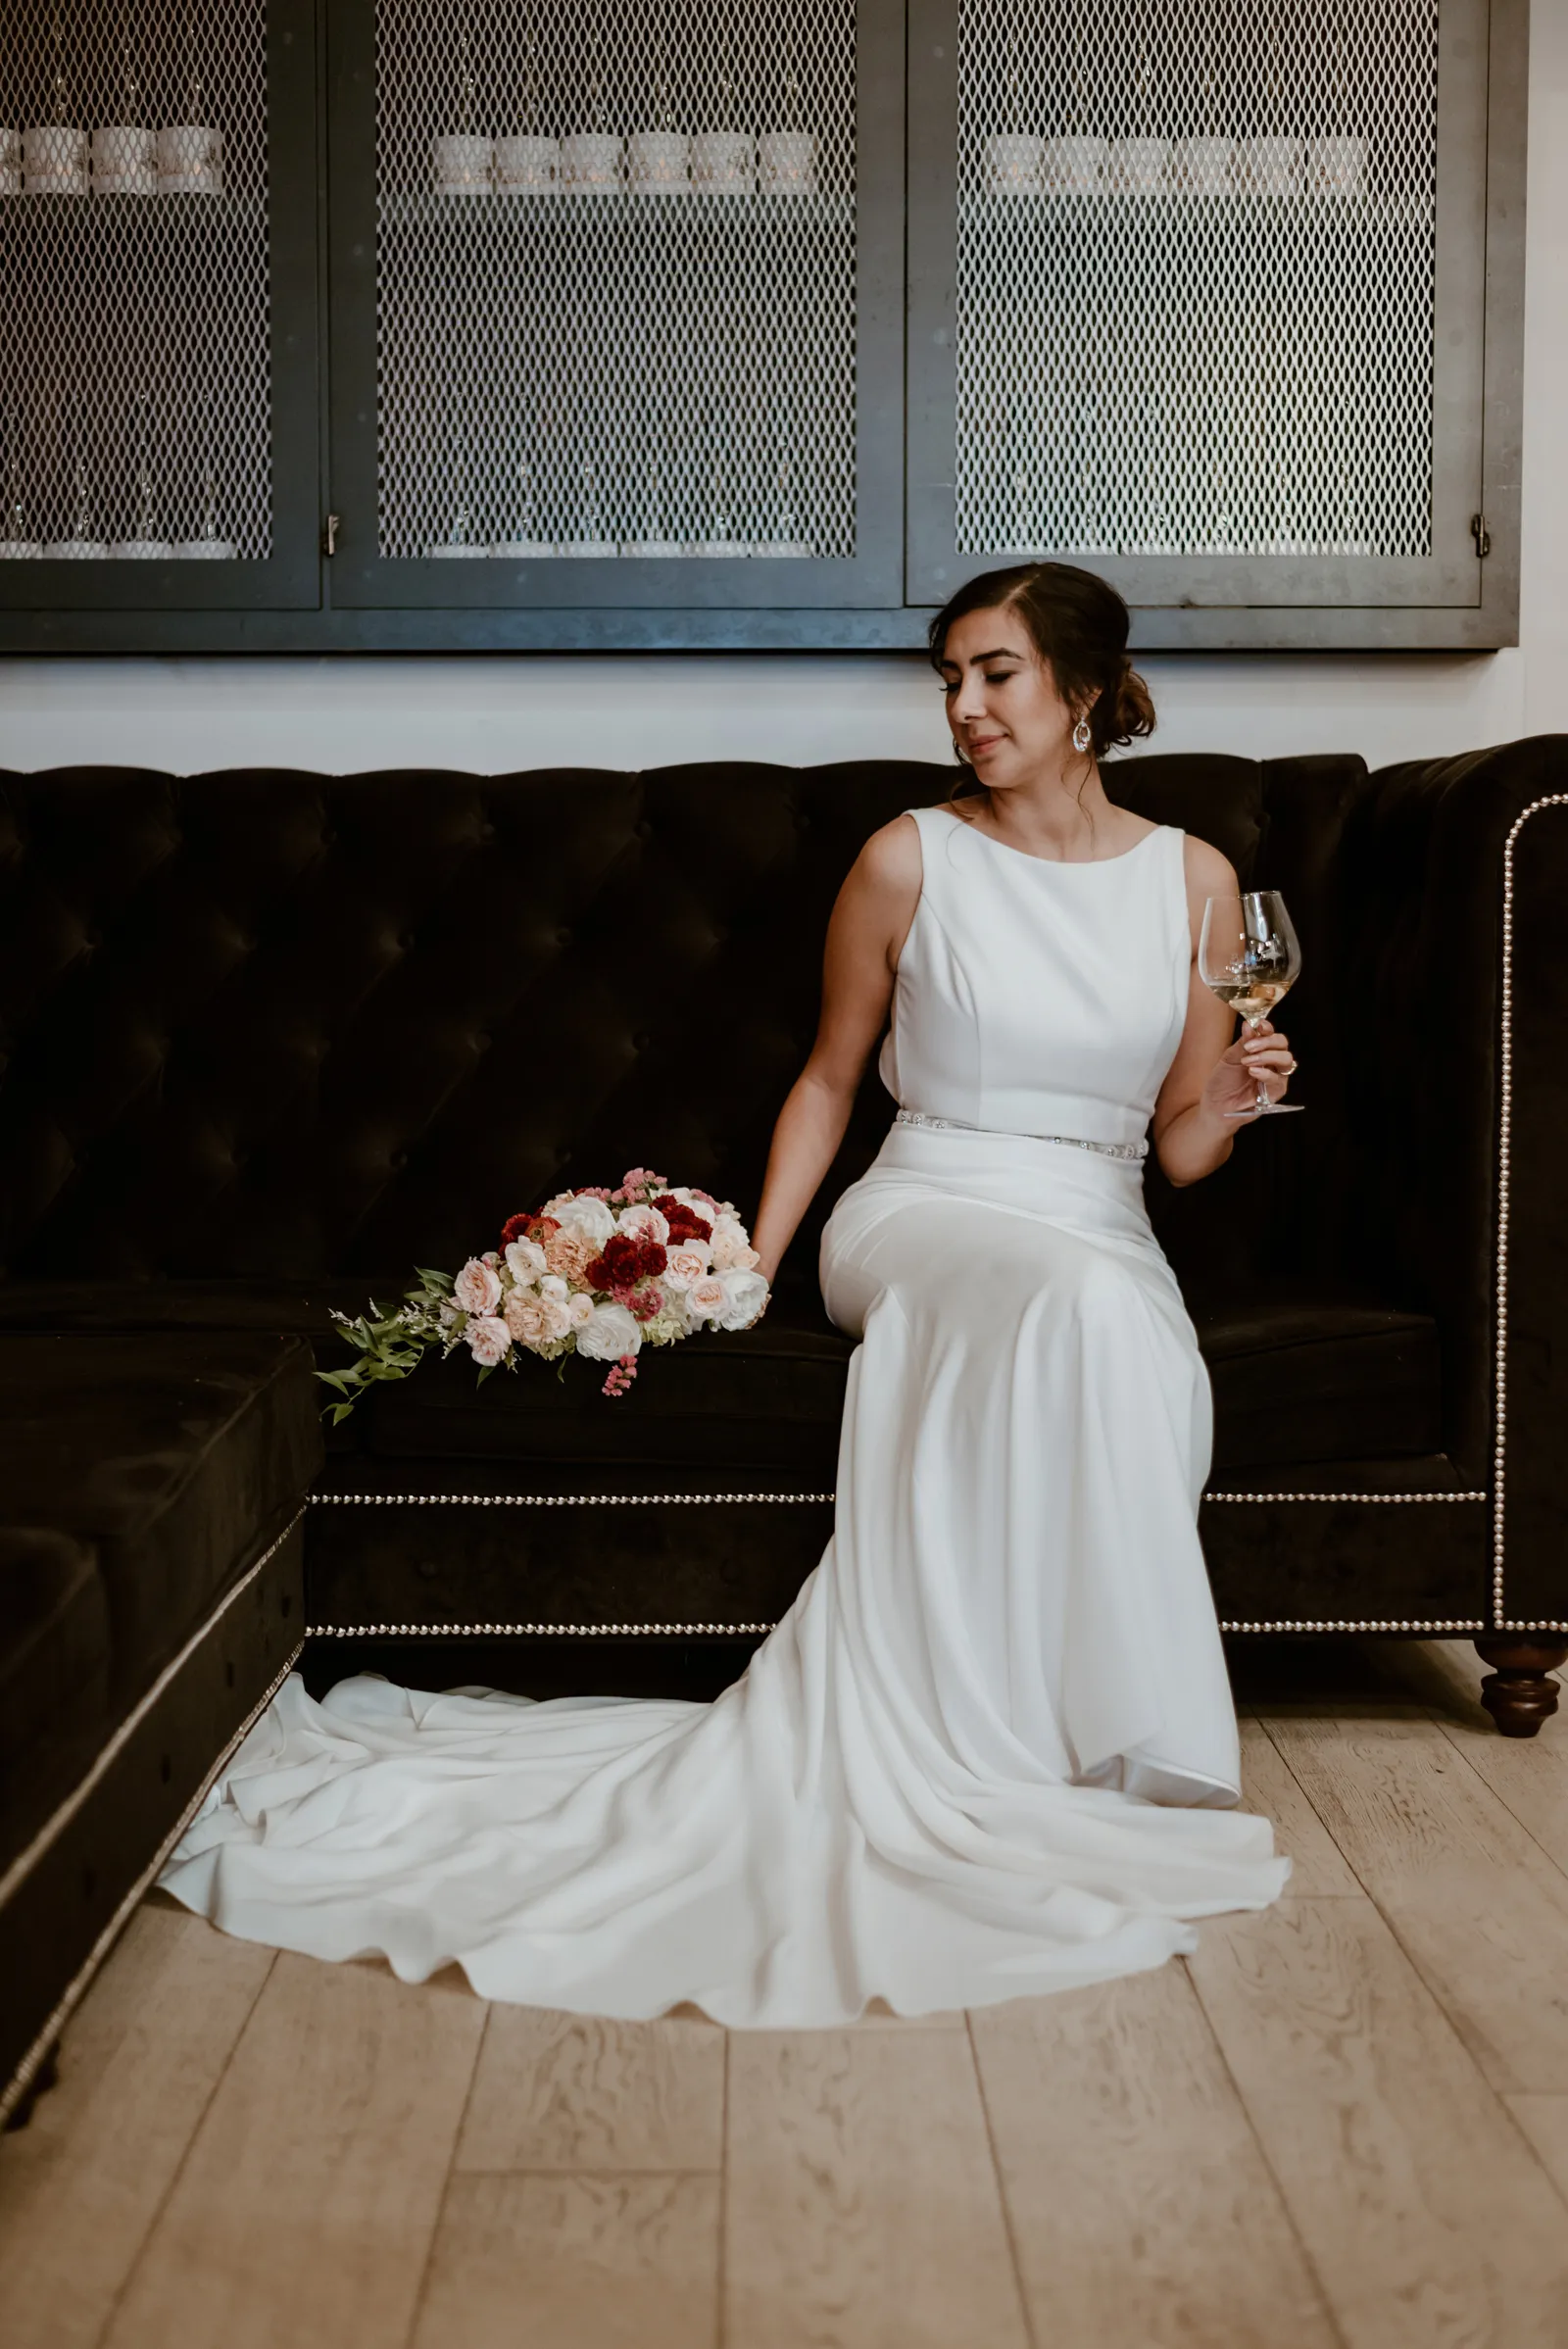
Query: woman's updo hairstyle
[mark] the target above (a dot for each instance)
(1080, 626)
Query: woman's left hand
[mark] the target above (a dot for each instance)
(1264, 1053)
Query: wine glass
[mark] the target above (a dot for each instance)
(1248, 954)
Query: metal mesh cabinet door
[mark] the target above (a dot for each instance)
(617, 293)
(158, 366)
(1199, 302)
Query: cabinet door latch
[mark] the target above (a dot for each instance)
(1482, 535)
(329, 531)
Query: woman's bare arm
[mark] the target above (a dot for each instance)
(865, 938)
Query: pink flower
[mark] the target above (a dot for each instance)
(686, 1264)
(646, 1303)
(731, 1249)
(620, 1374)
(706, 1298)
(525, 1317)
(488, 1339)
(642, 1223)
(568, 1255)
(477, 1288)
(580, 1309)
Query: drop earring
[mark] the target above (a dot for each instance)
(1081, 736)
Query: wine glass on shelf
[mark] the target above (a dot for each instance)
(1248, 955)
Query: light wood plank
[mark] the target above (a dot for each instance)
(1473, 1898)
(1545, 2122)
(620, 2261)
(563, 2091)
(863, 2209)
(81, 2185)
(306, 2207)
(1270, 1785)
(1141, 2206)
(1429, 2222)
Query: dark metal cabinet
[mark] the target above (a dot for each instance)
(1222, 300)
(158, 388)
(616, 309)
(695, 323)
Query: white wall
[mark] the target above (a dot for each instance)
(494, 712)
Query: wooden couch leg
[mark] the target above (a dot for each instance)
(1520, 1694)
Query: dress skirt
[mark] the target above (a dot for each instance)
(990, 1750)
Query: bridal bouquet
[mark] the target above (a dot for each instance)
(599, 1273)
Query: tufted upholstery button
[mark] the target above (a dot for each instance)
(481, 1042)
(406, 941)
(487, 831)
(563, 938)
(399, 1160)
(641, 1040)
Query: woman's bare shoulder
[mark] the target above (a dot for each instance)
(891, 862)
(1209, 871)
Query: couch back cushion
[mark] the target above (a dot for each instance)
(272, 1024)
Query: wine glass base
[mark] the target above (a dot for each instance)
(1274, 1109)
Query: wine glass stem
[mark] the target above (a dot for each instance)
(1262, 1100)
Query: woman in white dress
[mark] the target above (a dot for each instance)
(991, 1749)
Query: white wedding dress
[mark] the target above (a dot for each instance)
(991, 1749)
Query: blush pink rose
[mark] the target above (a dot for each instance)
(706, 1298)
(488, 1339)
(579, 1310)
(568, 1255)
(643, 1223)
(555, 1318)
(477, 1286)
(731, 1253)
(683, 1265)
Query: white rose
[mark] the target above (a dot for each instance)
(643, 1223)
(525, 1262)
(744, 1296)
(554, 1286)
(477, 1288)
(589, 1219)
(685, 1264)
(607, 1334)
(488, 1339)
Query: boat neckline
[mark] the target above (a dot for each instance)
(1059, 863)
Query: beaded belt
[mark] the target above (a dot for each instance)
(951, 1125)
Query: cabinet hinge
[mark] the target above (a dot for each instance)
(1480, 535)
(329, 531)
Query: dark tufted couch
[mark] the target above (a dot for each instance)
(271, 1038)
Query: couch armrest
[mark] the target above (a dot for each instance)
(1458, 871)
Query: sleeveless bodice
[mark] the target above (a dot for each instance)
(1034, 997)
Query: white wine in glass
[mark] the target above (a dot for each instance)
(1249, 955)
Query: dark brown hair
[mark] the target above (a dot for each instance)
(1079, 625)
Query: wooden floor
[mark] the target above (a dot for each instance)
(1344, 2121)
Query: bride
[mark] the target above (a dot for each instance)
(991, 1749)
